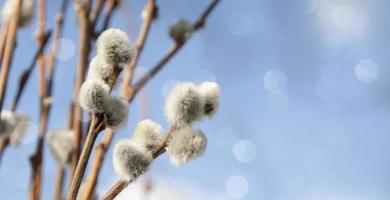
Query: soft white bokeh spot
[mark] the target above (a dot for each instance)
(277, 101)
(366, 70)
(275, 81)
(236, 187)
(67, 49)
(342, 22)
(244, 151)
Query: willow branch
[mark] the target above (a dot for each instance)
(36, 159)
(94, 16)
(199, 23)
(9, 52)
(85, 47)
(111, 5)
(3, 38)
(25, 75)
(102, 148)
(59, 184)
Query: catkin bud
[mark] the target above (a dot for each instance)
(20, 129)
(184, 105)
(93, 96)
(61, 145)
(180, 31)
(116, 111)
(13, 126)
(114, 46)
(185, 145)
(26, 11)
(210, 94)
(99, 69)
(148, 134)
(130, 160)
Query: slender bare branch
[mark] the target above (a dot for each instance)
(25, 75)
(9, 52)
(59, 185)
(85, 47)
(3, 38)
(45, 93)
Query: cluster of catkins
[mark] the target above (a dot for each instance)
(26, 11)
(13, 126)
(185, 104)
(113, 51)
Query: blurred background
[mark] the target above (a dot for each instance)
(304, 108)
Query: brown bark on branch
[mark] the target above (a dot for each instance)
(9, 52)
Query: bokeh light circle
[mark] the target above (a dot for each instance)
(275, 81)
(244, 151)
(67, 49)
(366, 70)
(236, 186)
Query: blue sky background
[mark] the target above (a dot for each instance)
(304, 99)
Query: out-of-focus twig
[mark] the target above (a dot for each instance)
(199, 23)
(85, 47)
(46, 92)
(111, 5)
(9, 52)
(60, 178)
(3, 38)
(25, 75)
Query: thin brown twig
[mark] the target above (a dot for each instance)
(115, 190)
(3, 38)
(25, 75)
(45, 89)
(111, 5)
(37, 158)
(60, 179)
(85, 47)
(120, 185)
(94, 16)
(102, 148)
(9, 52)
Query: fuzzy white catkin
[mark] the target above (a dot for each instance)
(116, 111)
(27, 11)
(210, 93)
(99, 69)
(180, 31)
(61, 145)
(93, 96)
(130, 160)
(13, 126)
(185, 145)
(184, 105)
(148, 134)
(114, 46)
